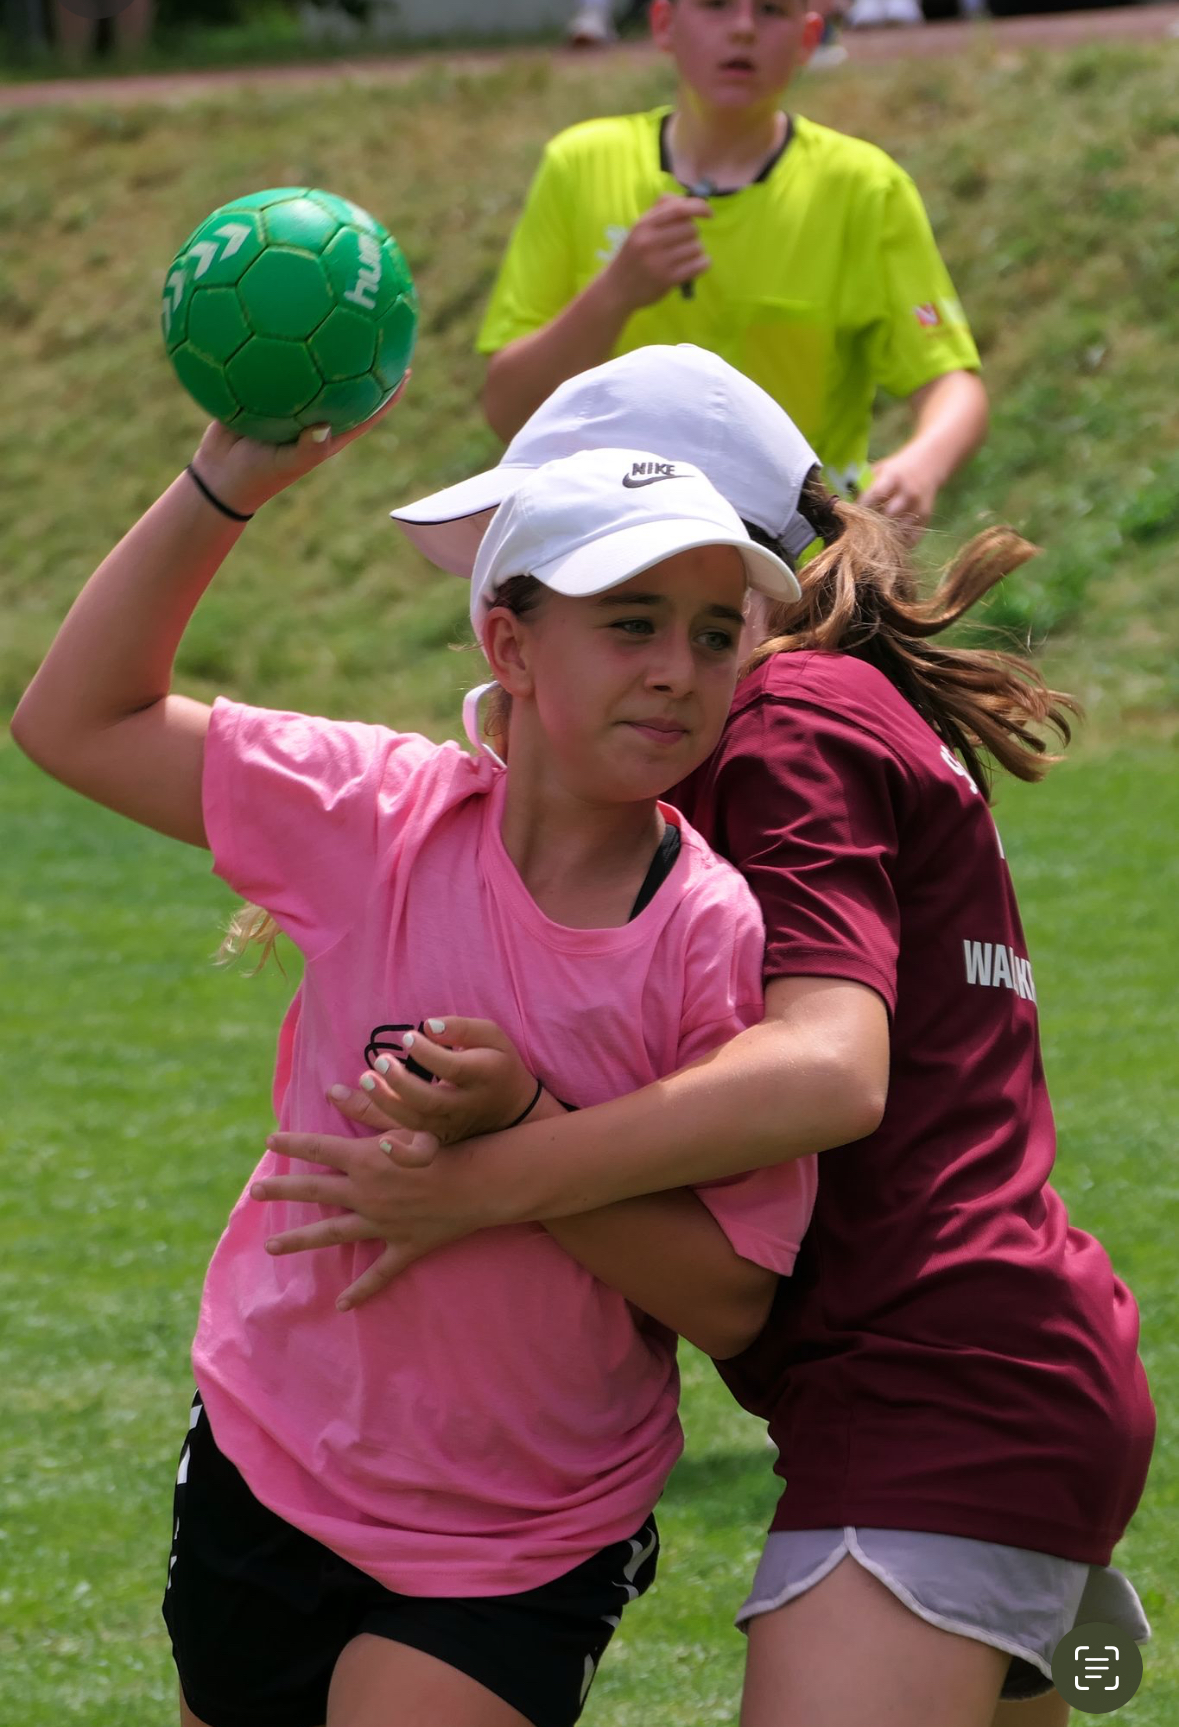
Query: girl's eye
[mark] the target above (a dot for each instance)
(718, 641)
(634, 626)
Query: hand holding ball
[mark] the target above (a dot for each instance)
(289, 308)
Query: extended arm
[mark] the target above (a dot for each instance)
(661, 251)
(664, 1252)
(949, 424)
(812, 1076)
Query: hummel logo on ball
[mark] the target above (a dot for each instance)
(650, 473)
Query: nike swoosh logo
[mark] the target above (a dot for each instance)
(632, 482)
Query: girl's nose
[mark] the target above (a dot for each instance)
(673, 670)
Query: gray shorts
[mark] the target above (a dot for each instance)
(1009, 1597)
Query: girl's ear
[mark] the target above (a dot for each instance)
(660, 17)
(813, 26)
(506, 644)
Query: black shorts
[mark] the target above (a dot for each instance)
(259, 1613)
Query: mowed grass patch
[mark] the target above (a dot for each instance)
(1049, 178)
(136, 1078)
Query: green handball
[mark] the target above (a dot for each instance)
(287, 309)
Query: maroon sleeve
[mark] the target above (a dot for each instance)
(808, 807)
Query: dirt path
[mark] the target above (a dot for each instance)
(1138, 23)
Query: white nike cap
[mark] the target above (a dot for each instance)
(686, 403)
(588, 522)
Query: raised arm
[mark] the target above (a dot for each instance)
(99, 715)
(661, 252)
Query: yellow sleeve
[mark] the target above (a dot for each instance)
(922, 330)
(536, 279)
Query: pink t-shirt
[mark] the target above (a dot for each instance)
(497, 1414)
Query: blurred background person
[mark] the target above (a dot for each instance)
(800, 255)
(77, 35)
(592, 25)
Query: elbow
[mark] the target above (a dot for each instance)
(861, 1106)
(28, 735)
(494, 403)
(855, 1070)
(982, 408)
(743, 1319)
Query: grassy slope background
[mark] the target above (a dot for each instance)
(135, 1076)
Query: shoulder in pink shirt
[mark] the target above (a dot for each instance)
(497, 1415)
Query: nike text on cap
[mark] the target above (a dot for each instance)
(588, 522)
(684, 402)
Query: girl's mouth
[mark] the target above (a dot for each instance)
(659, 732)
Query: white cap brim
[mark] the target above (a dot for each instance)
(607, 563)
(448, 526)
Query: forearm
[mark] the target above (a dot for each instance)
(782, 1089)
(667, 1254)
(950, 417)
(522, 375)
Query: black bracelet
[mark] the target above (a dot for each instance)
(234, 515)
(523, 1116)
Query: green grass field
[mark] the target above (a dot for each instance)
(135, 1076)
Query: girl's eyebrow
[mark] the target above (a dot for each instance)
(613, 599)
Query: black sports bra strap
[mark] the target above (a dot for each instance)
(661, 866)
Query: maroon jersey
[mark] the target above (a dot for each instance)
(950, 1354)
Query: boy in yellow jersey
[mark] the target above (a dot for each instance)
(801, 256)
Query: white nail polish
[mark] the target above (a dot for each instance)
(368, 1082)
(341, 1093)
(382, 1064)
(407, 1040)
(436, 1024)
(321, 434)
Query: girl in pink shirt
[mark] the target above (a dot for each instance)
(445, 1496)
(951, 1375)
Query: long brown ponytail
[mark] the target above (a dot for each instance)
(860, 596)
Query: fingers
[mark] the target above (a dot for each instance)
(316, 443)
(339, 440)
(674, 207)
(305, 1189)
(458, 1032)
(375, 1104)
(412, 1151)
(373, 1109)
(401, 1097)
(687, 266)
(436, 1058)
(327, 1232)
(378, 1276)
(334, 1150)
(903, 491)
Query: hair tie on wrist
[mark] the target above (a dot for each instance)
(234, 515)
(527, 1112)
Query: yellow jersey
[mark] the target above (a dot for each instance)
(825, 280)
